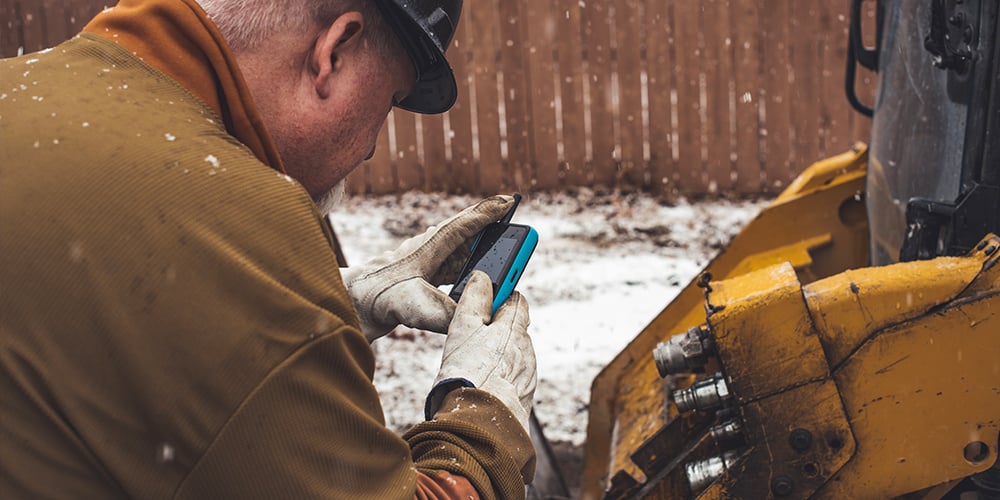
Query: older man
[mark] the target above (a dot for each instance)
(173, 322)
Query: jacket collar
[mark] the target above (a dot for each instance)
(177, 38)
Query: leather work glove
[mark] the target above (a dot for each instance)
(400, 286)
(495, 356)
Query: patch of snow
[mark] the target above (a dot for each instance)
(211, 159)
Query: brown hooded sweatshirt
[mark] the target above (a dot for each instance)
(172, 318)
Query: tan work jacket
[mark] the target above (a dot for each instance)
(172, 318)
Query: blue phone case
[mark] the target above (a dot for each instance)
(516, 268)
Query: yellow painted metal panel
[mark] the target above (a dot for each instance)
(627, 398)
(850, 306)
(916, 395)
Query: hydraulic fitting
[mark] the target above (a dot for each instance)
(726, 432)
(706, 394)
(684, 352)
(702, 473)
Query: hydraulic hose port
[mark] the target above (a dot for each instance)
(706, 394)
(727, 432)
(703, 473)
(684, 353)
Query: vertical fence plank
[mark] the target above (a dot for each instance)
(53, 19)
(628, 67)
(8, 29)
(687, 70)
(597, 40)
(834, 109)
(434, 160)
(409, 173)
(30, 37)
(493, 177)
(718, 76)
(804, 55)
(79, 13)
(862, 125)
(777, 120)
(516, 92)
(541, 31)
(571, 80)
(462, 168)
(659, 66)
(747, 68)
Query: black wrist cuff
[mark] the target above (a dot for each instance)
(437, 394)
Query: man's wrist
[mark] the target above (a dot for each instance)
(440, 390)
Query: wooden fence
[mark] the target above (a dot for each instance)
(668, 96)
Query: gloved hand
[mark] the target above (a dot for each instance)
(495, 356)
(400, 286)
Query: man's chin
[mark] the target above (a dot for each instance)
(329, 200)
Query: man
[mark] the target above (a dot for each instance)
(172, 319)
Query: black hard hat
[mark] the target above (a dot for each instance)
(425, 28)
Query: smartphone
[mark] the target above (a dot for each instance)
(501, 250)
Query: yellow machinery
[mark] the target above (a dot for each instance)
(846, 344)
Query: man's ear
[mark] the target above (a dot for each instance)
(332, 44)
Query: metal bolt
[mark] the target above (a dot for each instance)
(782, 486)
(810, 470)
(800, 439)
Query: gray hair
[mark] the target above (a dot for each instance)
(247, 24)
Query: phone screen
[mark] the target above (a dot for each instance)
(493, 255)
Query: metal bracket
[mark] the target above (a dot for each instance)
(935, 228)
(952, 33)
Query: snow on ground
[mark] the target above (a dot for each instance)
(605, 265)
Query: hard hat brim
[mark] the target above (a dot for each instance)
(432, 94)
(434, 90)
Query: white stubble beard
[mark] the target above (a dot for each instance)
(329, 200)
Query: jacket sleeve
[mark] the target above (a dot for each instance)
(311, 429)
(475, 436)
